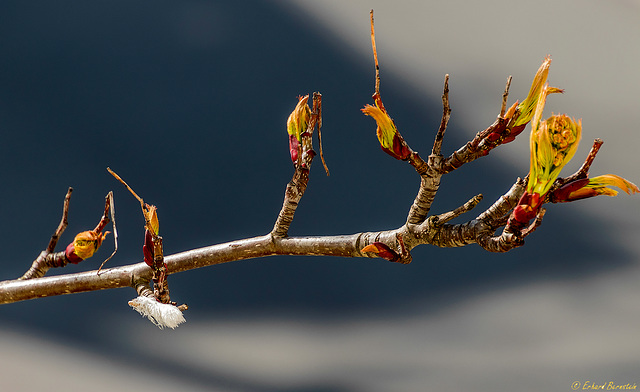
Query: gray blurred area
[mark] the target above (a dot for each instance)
(188, 101)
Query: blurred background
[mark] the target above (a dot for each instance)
(188, 100)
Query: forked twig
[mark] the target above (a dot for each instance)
(47, 259)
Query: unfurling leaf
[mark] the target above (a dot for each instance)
(297, 124)
(390, 139)
(528, 106)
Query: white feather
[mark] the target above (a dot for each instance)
(162, 315)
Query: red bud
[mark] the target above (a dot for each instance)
(382, 250)
(294, 147)
(71, 255)
(147, 248)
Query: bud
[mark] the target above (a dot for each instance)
(553, 143)
(296, 125)
(152, 228)
(528, 207)
(84, 245)
(590, 187)
(147, 248)
(390, 139)
(382, 250)
(515, 130)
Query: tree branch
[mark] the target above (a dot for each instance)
(517, 205)
(433, 231)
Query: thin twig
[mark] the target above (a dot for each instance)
(446, 114)
(505, 95)
(63, 222)
(466, 207)
(317, 111)
(110, 206)
(580, 174)
(583, 172)
(128, 187)
(375, 54)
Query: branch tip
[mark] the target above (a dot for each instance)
(375, 54)
(317, 112)
(505, 95)
(446, 114)
(117, 177)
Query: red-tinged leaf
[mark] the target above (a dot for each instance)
(390, 139)
(590, 187)
(515, 131)
(562, 194)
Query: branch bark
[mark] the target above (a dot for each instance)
(433, 231)
(135, 274)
